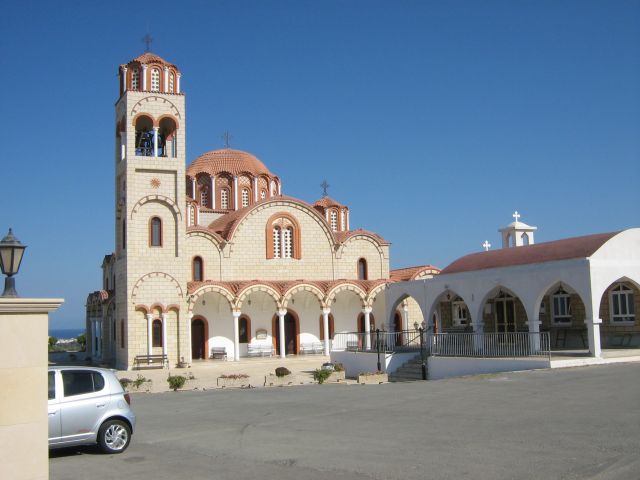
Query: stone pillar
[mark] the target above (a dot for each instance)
(123, 145)
(236, 335)
(164, 334)
(534, 335)
(367, 326)
(325, 328)
(149, 333)
(24, 411)
(593, 332)
(189, 350)
(347, 220)
(193, 188)
(478, 330)
(283, 350)
(165, 79)
(124, 79)
(144, 78)
(255, 189)
(178, 82)
(279, 188)
(235, 192)
(213, 191)
(155, 141)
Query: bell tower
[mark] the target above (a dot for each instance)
(150, 138)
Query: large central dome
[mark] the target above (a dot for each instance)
(227, 160)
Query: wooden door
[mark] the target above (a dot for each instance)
(197, 340)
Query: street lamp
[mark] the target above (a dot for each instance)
(11, 251)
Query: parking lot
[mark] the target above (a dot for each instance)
(581, 423)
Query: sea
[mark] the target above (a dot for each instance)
(65, 333)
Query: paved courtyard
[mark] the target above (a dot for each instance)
(577, 423)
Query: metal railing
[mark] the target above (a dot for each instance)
(484, 345)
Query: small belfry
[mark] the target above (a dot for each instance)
(517, 233)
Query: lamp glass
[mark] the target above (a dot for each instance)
(11, 252)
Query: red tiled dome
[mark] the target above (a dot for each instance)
(149, 57)
(227, 160)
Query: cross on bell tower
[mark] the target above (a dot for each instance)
(517, 233)
(148, 40)
(325, 186)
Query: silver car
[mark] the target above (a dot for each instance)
(86, 406)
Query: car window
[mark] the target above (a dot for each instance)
(77, 382)
(52, 385)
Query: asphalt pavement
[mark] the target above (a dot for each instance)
(576, 423)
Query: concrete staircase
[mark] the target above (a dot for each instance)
(410, 371)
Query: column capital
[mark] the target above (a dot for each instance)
(282, 312)
(165, 68)
(149, 316)
(156, 128)
(236, 313)
(124, 68)
(163, 315)
(190, 315)
(326, 311)
(405, 308)
(367, 310)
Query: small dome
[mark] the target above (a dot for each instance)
(327, 202)
(148, 57)
(227, 160)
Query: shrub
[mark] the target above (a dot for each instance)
(82, 341)
(282, 372)
(176, 382)
(321, 375)
(235, 376)
(338, 367)
(139, 381)
(125, 382)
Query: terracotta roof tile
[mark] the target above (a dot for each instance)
(327, 202)
(228, 160)
(410, 273)
(149, 57)
(565, 249)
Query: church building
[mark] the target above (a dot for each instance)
(212, 259)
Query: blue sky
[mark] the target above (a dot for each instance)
(432, 121)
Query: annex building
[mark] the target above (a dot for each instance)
(211, 259)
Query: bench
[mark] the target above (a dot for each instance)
(624, 339)
(315, 348)
(150, 361)
(353, 346)
(260, 350)
(218, 353)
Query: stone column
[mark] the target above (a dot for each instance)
(155, 141)
(189, 350)
(367, 326)
(144, 78)
(193, 188)
(123, 145)
(279, 188)
(283, 350)
(347, 219)
(235, 192)
(534, 335)
(325, 327)
(164, 334)
(165, 79)
(255, 189)
(236, 335)
(178, 82)
(149, 333)
(213, 191)
(478, 330)
(124, 79)
(593, 332)
(25, 413)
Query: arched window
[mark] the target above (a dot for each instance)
(155, 80)
(283, 237)
(204, 197)
(198, 269)
(135, 79)
(192, 215)
(561, 301)
(525, 239)
(224, 198)
(121, 333)
(334, 220)
(362, 270)
(459, 312)
(144, 136)
(263, 194)
(244, 329)
(171, 82)
(155, 234)
(245, 197)
(622, 306)
(156, 333)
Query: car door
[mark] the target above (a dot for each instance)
(54, 409)
(83, 404)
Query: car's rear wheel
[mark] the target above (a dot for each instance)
(114, 436)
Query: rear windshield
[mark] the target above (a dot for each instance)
(78, 382)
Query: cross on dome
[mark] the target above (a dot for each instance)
(516, 215)
(486, 245)
(226, 136)
(148, 40)
(324, 186)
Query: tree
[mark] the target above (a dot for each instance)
(82, 341)
(52, 342)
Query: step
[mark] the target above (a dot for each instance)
(405, 377)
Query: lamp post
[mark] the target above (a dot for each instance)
(11, 251)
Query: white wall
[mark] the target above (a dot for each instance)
(446, 367)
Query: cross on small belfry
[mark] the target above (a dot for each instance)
(226, 136)
(486, 245)
(325, 186)
(148, 40)
(516, 215)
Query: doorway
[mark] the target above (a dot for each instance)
(505, 314)
(198, 339)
